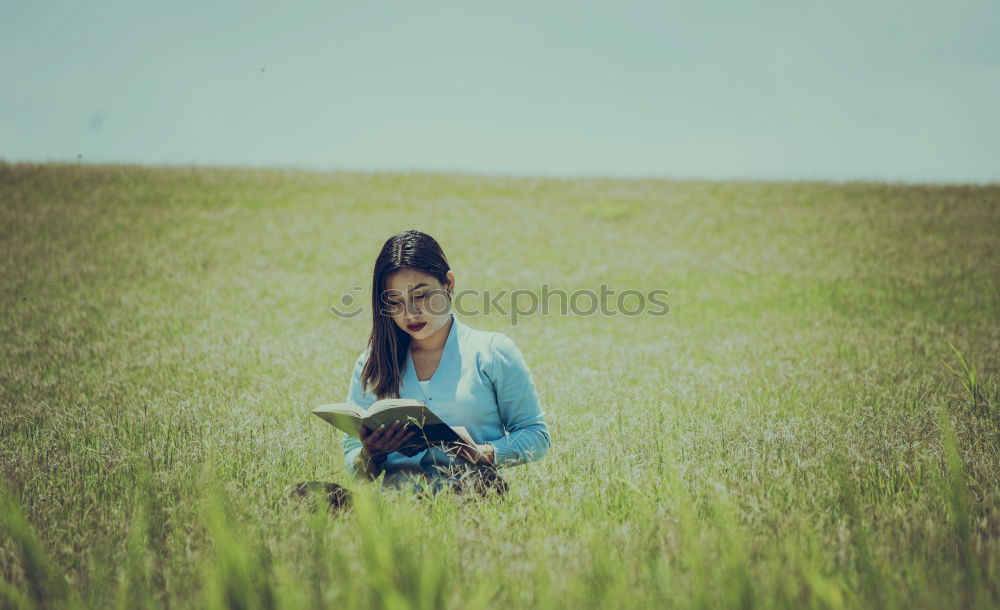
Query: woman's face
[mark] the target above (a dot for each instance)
(413, 297)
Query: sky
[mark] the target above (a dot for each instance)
(768, 90)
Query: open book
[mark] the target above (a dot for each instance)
(428, 428)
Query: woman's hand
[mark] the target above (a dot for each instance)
(475, 453)
(382, 441)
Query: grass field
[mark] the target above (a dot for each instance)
(797, 432)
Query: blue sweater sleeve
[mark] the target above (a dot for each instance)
(527, 436)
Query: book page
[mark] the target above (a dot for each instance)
(344, 416)
(390, 403)
(429, 428)
(416, 414)
(464, 434)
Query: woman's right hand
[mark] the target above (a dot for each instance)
(382, 441)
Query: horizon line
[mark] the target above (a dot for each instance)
(504, 175)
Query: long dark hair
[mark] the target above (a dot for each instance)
(388, 344)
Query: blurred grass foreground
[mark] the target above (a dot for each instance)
(814, 424)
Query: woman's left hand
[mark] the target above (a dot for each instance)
(476, 453)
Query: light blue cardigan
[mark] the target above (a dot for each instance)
(483, 383)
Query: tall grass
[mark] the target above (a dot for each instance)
(813, 425)
(42, 581)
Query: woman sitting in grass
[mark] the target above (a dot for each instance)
(419, 349)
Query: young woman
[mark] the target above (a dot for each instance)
(419, 349)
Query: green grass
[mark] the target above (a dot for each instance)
(814, 424)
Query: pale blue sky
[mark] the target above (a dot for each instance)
(899, 91)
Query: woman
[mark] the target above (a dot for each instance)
(419, 349)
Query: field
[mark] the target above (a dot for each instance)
(814, 424)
